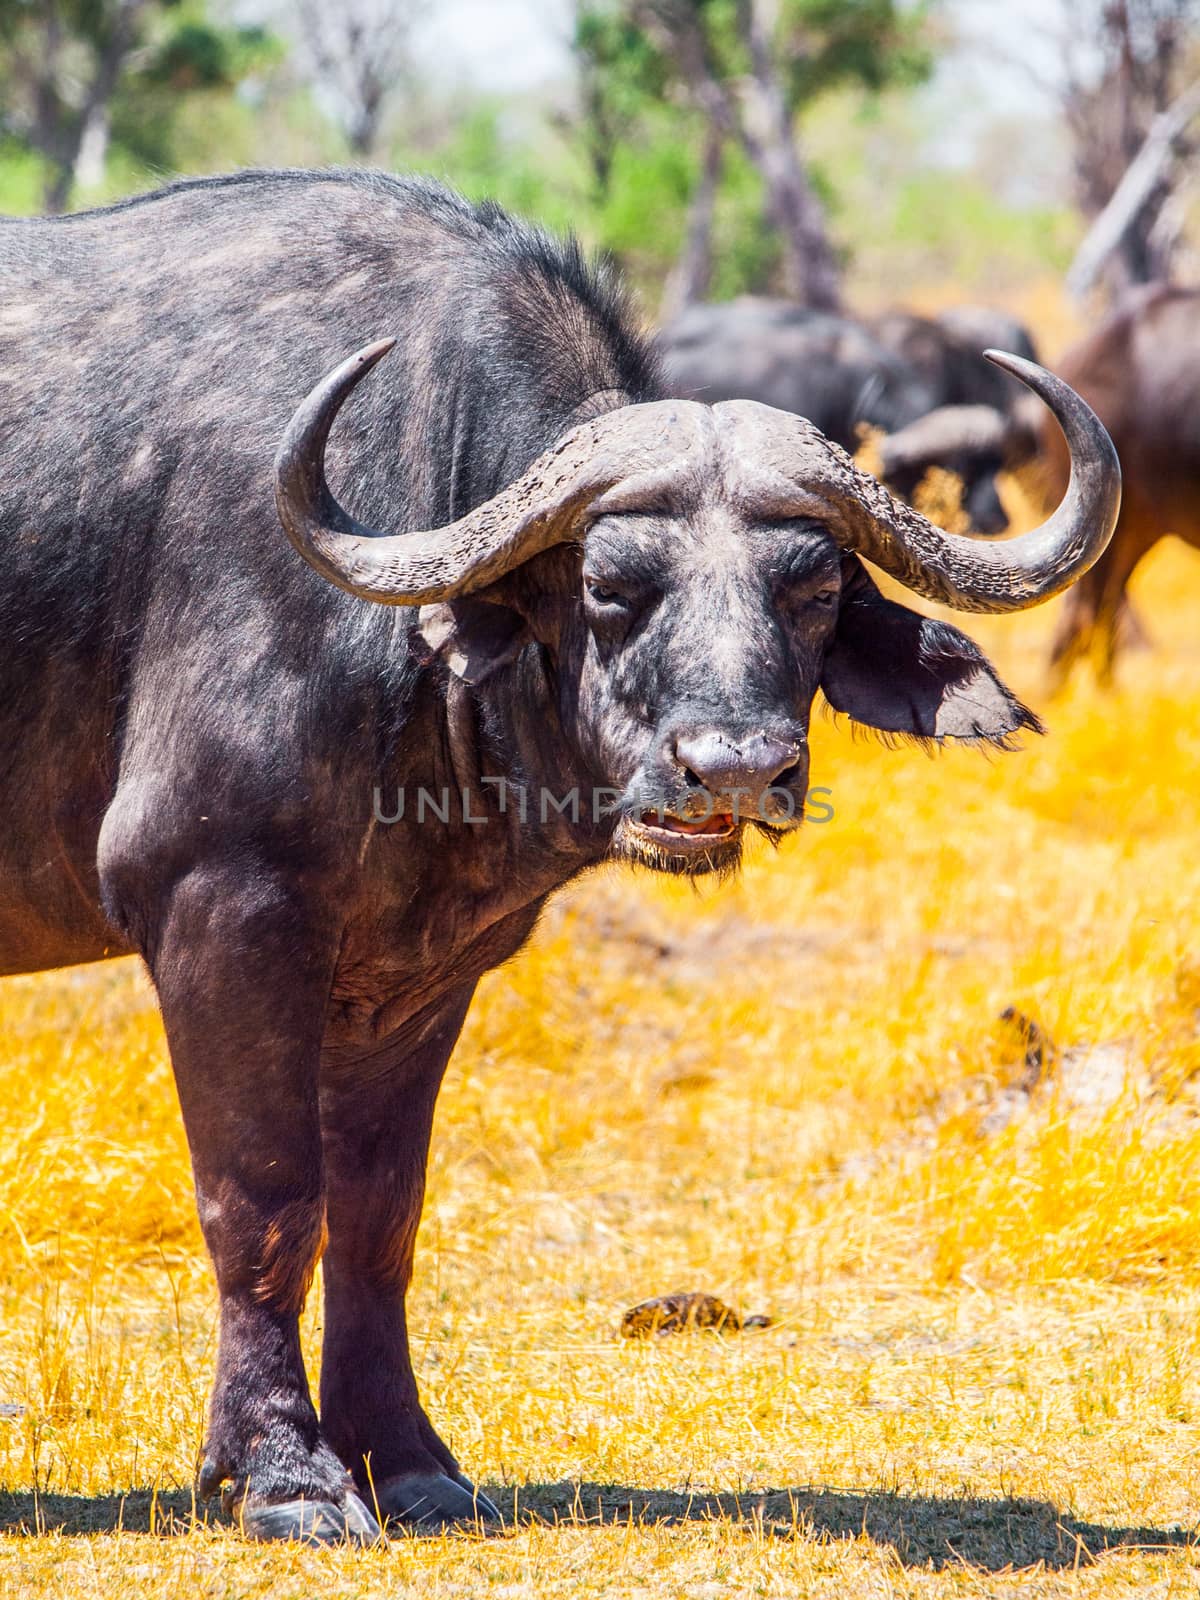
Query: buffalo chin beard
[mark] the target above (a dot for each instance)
(680, 854)
(690, 854)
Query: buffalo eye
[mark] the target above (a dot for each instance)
(799, 597)
(602, 595)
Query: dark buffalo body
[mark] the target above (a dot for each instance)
(194, 720)
(1140, 371)
(947, 351)
(830, 369)
(982, 421)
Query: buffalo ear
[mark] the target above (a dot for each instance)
(893, 669)
(473, 637)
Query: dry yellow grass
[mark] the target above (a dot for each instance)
(984, 1375)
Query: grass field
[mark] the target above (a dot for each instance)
(983, 1376)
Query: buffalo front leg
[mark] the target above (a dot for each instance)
(243, 979)
(376, 1117)
(1097, 617)
(1076, 627)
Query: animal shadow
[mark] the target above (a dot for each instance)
(923, 1530)
(928, 1531)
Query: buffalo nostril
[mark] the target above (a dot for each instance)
(711, 760)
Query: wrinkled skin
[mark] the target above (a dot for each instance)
(194, 723)
(694, 675)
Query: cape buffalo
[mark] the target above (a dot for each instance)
(945, 350)
(982, 422)
(562, 584)
(830, 369)
(922, 382)
(1140, 370)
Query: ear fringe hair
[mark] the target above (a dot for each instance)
(897, 739)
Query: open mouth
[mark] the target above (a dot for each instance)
(688, 832)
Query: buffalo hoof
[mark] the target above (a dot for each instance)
(312, 1522)
(433, 1500)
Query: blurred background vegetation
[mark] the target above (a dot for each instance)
(869, 150)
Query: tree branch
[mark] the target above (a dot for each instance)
(1143, 176)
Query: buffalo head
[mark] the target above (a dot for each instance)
(693, 573)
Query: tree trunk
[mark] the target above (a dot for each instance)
(57, 190)
(59, 131)
(50, 132)
(762, 125)
(691, 277)
(810, 269)
(1123, 236)
(93, 150)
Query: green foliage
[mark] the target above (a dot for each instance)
(639, 221)
(89, 66)
(641, 127)
(21, 178)
(618, 168)
(621, 73)
(90, 21)
(194, 54)
(607, 42)
(188, 54)
(870, 44)
(953, 222)
(489, 153)
(747, 253)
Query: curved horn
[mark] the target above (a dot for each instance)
(948, 431)
(799, 472)
(645, 446)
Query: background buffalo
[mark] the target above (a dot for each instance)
(1140, 370)
(920, 381)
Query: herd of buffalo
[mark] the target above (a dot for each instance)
(322, 483)
(922, 385)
